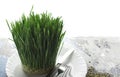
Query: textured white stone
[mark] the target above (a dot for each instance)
(102, 53)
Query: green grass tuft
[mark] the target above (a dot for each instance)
(37, 38)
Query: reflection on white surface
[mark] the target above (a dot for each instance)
(81, 17)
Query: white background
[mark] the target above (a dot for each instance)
(81, 17)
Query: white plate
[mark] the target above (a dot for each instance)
(78, 64)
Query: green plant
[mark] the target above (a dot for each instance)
(37, 38)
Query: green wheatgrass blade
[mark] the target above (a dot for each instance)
(37, 38)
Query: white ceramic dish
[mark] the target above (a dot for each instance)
(78, 64)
